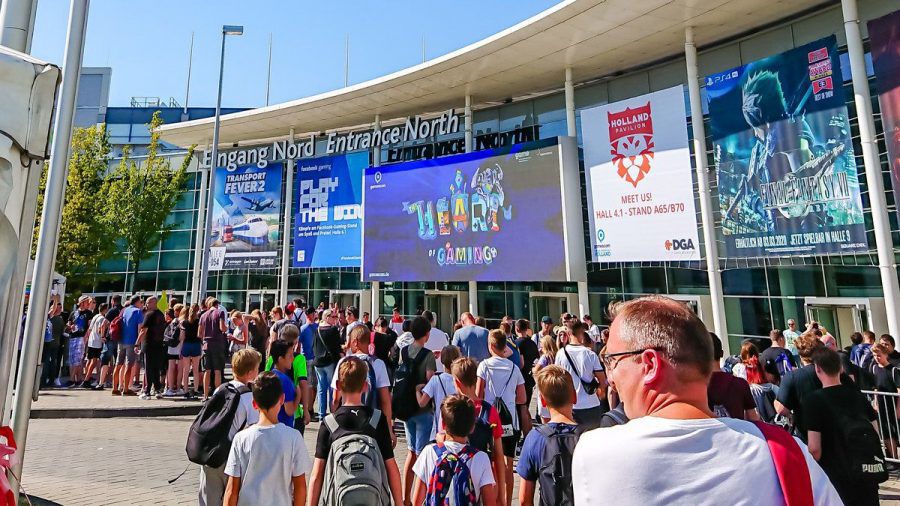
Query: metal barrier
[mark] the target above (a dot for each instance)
(886, 404)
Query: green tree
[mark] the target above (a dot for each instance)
(139, 197)
(84, 239)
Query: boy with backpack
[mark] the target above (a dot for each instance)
(500, 383)
(547, 451)
(439, 386)
(229, 410)
(841, 433)
(354, 438)
(268, 462)
(453, 471)
(378, 395)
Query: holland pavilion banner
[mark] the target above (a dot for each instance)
(639, 185)
(327, 225)
(884, 34)
(787, 177)
(246, 212)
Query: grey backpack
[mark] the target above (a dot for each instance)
(354, 474)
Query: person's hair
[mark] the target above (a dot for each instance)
(748, 349)
(549, 347)
(776, 334)
(428, 316)
(889, 338)
(406, 325)
(135, 299)
(449, 353)
(828, 360)
(299, 302)
(750, 358)
(856, 338)
(277, 310)
(352, 374)
(587, 317)
(576, 330)
(381, 322)
(267, 390)
(104, 307)
(718, 352)
(171, 313)
(116, 299)
(185, 311)
(522, 326)
(213, 302)
(194, 313)
(353, 310)
(278, 349)
(806, 344)
(556, 386)
(419, 327)
(360, 333)
(244, 361)
(879, 348)
(497, 339)
(480, 321)
(668, 326)
(868, 336)
(465, 369)
(467, 318)
(290, 333)
(506, 328)
(458, 415)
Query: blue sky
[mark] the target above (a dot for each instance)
(146, 42)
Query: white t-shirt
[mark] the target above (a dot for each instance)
(495, 372)
(586, 362)
(381, 375)
(246, 414)
(479, 466)
(438, 387)
(95, 340)
(718, 458)
(437, 339)
(266, 458)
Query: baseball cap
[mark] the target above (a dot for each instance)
(547, 320)
(83, 298)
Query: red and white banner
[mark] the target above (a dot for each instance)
(639, 186)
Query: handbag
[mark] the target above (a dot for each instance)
(591, 387)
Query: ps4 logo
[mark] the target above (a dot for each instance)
(720, 78)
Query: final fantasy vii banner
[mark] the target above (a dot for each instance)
(787, 178)
(884, 34)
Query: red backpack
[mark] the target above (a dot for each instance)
(115, 328)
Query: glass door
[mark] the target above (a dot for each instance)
(264, 300)
(839, 320)
(547, 305)
(445, 307)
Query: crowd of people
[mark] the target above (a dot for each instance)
(616, 408)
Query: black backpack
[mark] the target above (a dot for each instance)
(208, 443)
(404, 403)
(371, 399)
(864, 460)
(555, 476)
(172, 334)
(482, 436)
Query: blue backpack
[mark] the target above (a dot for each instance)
(370, 399)
(451, 482)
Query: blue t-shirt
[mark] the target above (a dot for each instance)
(287, 386)
(307, 336)
(529, 467)
(132, 318)
(516, 357)
(472, 341)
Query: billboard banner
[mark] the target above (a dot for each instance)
(787, 178)
(246, 211)
(327, 224)
(884, 34)
(492, 215)
(638, 173)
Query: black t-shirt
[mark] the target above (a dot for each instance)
(355, 420)
(155, 323)
(327, 346)
(796, 386)
(885, 379)
(819, 410)
(189, 329)
(383, 344)
(529, 352)
(894, 358)
(113, 313)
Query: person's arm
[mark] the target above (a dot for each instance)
(384, 398)
(422, 397)
(814, 443)
(488, 495)
(782, 409)
(520, 393)
(299, 483)
(479, 388)
(499, 466)
(315, 481)
(418, 493)
(751, 415)
(526, 493)
(307, 401)
(201, 331)
(232, 491)
(601, 379)
(142, 334)
(291, 406)
(222, 325)
(393, 474)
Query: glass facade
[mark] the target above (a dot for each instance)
(760, 294)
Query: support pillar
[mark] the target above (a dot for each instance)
(375, 286)
(706, 209)
(288, 231)
(473, 285)
(881, 224)
(199, 241)
(572, 131)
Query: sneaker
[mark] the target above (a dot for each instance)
(168, 393)
(116, 392)
(98, 387)
(57, 383)
(145, 397)
(178, 393)
(85, 384)
(160, 396)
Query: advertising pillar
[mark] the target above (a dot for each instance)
(473, 285)
(286, 234)
(572, 131)
(375, 285)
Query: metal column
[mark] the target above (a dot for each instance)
(200, 241)
(706, 209)
(17, 24)
(572, 131)
(880, 221)
(375, 286)
(288, 231)
(54, 195)
(473, 285)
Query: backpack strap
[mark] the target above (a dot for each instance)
(571, 363)
(617, 416)
(545, 430)
(374, 419)
(331, 423)
(790, 465)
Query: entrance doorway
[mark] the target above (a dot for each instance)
(445, 306)
(346, 298)
(547, 304)
(839, 320)
(264, 300)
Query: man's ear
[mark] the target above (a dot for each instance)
(652, 364)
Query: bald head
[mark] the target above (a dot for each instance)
(467, 318)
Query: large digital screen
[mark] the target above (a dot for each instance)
(246, 211)
(884, 34)
(493, 215)
(787, 177)
(328, 219)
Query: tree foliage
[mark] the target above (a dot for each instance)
(140, 196)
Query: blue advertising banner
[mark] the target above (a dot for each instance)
(490, 215)
(884, 34)
(787, 178)
(246, 210)
(327, 225)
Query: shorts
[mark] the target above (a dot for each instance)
(173, 357)
(108, 355)
(418, 431)
(191, 350)
(213, 360)
(510, 442)
(126, 355)
(76, 351)
(93, 353)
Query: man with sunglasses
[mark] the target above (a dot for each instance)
(674, 451)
